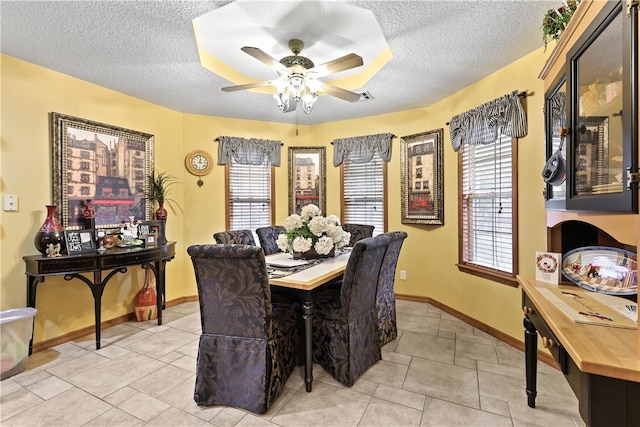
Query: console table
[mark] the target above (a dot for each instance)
(601, 363)
(116, 259)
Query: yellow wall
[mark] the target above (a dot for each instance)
(429, 256)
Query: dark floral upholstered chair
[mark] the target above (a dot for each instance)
(268, 236)
(358, 232)
(234, 237)
(246, 351)
(346, 337)
(386, 297)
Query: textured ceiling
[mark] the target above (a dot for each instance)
(147, 49)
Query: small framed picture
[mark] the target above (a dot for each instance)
(80, 241)
(157, 227)
(151, 240)
(548, 267)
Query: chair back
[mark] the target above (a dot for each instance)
(235, 237)
(358, 232)
(360, 280)
(246, 350)
(268, 237)
(346, 333)
(233, 289)
(385, 299)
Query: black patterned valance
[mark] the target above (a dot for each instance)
(248, 151)
(482, 124)
(360, 149)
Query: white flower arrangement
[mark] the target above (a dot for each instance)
(311, 230)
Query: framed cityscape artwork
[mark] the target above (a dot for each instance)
(307, 178)
(422, 178)
(106, 164)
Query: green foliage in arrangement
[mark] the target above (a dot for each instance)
(555, 20)
(159, 187)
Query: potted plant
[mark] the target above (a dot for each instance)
(555, 20)
(159, 185)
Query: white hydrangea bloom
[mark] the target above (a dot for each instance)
(335, 232)
(301, 244)
(293, 222)
(310, 211)
(283, 242)
(324, 245)
(318, 225)
(333, 220)
(346, 237)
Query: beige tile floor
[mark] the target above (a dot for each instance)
(439, 372)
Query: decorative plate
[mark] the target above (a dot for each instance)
(130, 243)
(602, 269)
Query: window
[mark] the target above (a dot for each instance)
(488, 211)
(364, 193)
(250, 196)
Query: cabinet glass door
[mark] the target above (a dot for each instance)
(555, 131)
(601, 112)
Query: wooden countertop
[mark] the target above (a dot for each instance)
(601, 350)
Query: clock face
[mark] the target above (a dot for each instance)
(198, 162)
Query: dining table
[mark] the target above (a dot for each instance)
(303, 279)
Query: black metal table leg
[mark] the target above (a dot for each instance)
(307, 317)
(531, 360)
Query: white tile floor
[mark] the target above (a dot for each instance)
(439, 372)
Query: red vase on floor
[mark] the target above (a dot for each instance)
(145, 302)
(161, 212)
(49, 240)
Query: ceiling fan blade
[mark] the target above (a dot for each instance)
(346, 62)
(263, 57)
(338, 92)
(246, 86)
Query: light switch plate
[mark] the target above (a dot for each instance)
(10, 202)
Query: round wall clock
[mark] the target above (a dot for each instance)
(199, 163)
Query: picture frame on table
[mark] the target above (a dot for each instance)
(156, 227)
(106, 164)
(151, 240)
(422, 175)
(307, 178)
(80, 241)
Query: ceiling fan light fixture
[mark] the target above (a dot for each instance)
(307, 102)
(297, 84)
(313, 85)
(285, 102)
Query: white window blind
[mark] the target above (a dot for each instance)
(249, 196)
(486, 211)
(363, 193)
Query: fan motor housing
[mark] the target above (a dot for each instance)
(289, 61)
(296, 45)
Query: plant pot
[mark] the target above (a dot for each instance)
(161, 212)
(312, 254)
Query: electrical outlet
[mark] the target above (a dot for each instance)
(403, 275)
(10, 202)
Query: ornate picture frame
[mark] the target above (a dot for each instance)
(106, 164)
(307, 178)
(422, 178)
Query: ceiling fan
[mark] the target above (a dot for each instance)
(298, 77)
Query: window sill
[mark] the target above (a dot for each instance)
(488, 273)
